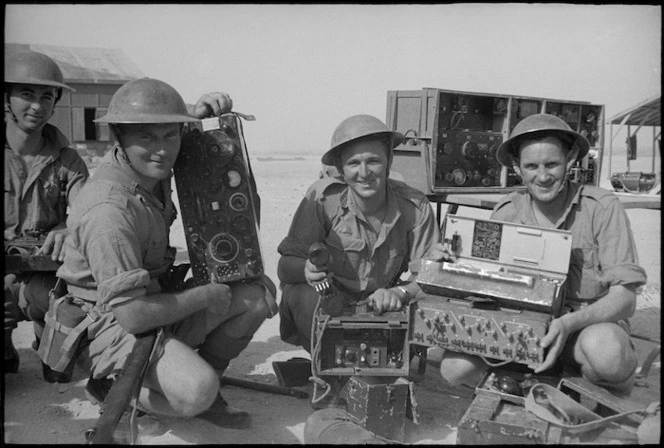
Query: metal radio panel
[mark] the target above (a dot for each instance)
(467, 159)
(451, 138)
(479, 327)
(361, 344)
(218, 203)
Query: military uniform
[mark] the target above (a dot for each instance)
(362, 261)
(36, 201)
(603, 248)
(117, 249)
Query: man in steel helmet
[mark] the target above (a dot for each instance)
(600, 291)
(371, 225)
(42, 177)
(118, 250)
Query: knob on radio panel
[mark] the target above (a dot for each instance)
(467, 159)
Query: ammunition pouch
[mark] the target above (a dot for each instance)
(65, 328)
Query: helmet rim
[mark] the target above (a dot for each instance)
(35, 68)
(147, 101)
(539, 124)
(355, 128)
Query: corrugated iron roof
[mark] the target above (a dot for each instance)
(86, 65)
(647, 113)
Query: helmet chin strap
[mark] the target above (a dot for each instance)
(8, 108)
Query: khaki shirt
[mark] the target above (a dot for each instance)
(37, 200)
(361, 261)
(603, 248)
(118, 235)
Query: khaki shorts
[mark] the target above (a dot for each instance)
(109, 344)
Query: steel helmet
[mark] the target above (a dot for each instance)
(31, 67)
(146, 100)
(539, 124)
(356, 127)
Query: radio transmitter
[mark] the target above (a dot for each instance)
(498, 299)
(218, 201)
(359, 343)
(451, 137)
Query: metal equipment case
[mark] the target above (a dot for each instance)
(452, 137)
(498, 299)
(498, 418)
(379, 404)
(361, 344)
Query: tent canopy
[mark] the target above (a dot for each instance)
(647, 113)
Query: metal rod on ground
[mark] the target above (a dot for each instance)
(122, 391)
(271, 388)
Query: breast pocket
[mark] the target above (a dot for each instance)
(347, 254)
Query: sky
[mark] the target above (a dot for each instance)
(303, 68)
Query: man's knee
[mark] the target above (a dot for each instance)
(199, 396)
(298, 298)
(13, 315)
(189, 389)
(605, 352)
(255, 300)
(34, 296)
(296, 310)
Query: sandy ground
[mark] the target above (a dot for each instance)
(36, 412)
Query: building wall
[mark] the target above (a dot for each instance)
(76, 111)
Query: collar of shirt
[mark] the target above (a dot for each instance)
(524, 205)
(54, 141)
(347, 201)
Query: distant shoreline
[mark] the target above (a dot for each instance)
(279, 159)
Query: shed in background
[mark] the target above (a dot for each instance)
(96, 74)
(647, 114)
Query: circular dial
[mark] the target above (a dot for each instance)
(238, 202)
(224, 247)
(470, 149)
(234, 178)
(459, 176)
(221, 147)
